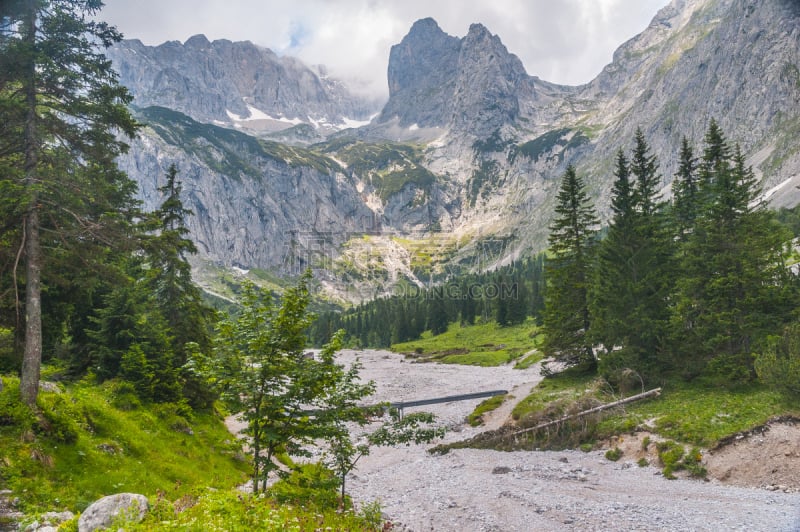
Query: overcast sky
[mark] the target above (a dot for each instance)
(563, 41)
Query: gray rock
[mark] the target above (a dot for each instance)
(49, 387)
(209, 81)
(40, 527)
(57, 517)
(101, 513)
(471, 86)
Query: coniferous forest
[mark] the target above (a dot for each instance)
(701, 284)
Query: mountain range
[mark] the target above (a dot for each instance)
(285, 168)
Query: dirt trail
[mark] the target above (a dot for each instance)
(495, 419)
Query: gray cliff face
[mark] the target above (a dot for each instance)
(489, 85)
(732, 60)
(469, 87)
(254, 203)
(234, 83)
(422, 75)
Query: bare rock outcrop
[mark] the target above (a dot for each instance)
(101, 513)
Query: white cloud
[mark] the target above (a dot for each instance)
(564, 41)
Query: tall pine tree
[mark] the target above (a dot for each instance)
(632, 281)
(731, 293)
(572, 240)
(169, 277)
(66, 111)
(685, 192)
(612, 297)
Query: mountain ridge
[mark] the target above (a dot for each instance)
(488, 141)
(237, 84)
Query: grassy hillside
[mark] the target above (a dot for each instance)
(690, 412)
(90, 441)
(485, 344)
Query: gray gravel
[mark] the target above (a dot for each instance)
(479, 490)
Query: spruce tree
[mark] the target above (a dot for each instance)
(437, 311)
(685, 192)
(632, 280)
(612, 297)
(517, 301)
(169, 278)
(66, 114)
(572, 240)
(731, 294)
(654, 273)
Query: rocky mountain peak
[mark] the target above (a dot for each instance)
(237, 84)
(425, 29)
(420, 74)
(445, 82)
(197, 42)
(478, 32)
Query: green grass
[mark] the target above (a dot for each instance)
(567, 386)
(431, 254)
(485, 344)
(84, 447)
(228, 510)
(544, 144)
(693, 413)
(702, 415)
(475, 419)
(388, 166)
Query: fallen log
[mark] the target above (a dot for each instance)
(652, 393)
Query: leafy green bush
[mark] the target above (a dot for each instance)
(779, 363)
(674, 458)
(614, 454)
(308, 485)
(59, 419)
(692, 463)
(643, 462)
(14, 413)
(124, 396)
(670, 454)
(9, 358)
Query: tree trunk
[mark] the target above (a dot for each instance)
(32, 360)
(655, 392)
(256, 459)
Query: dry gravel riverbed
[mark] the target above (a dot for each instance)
(480, 490)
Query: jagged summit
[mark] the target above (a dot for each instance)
(198, 42)
(464, 86)
(237, 84)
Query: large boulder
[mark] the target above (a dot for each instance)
(101, 513)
